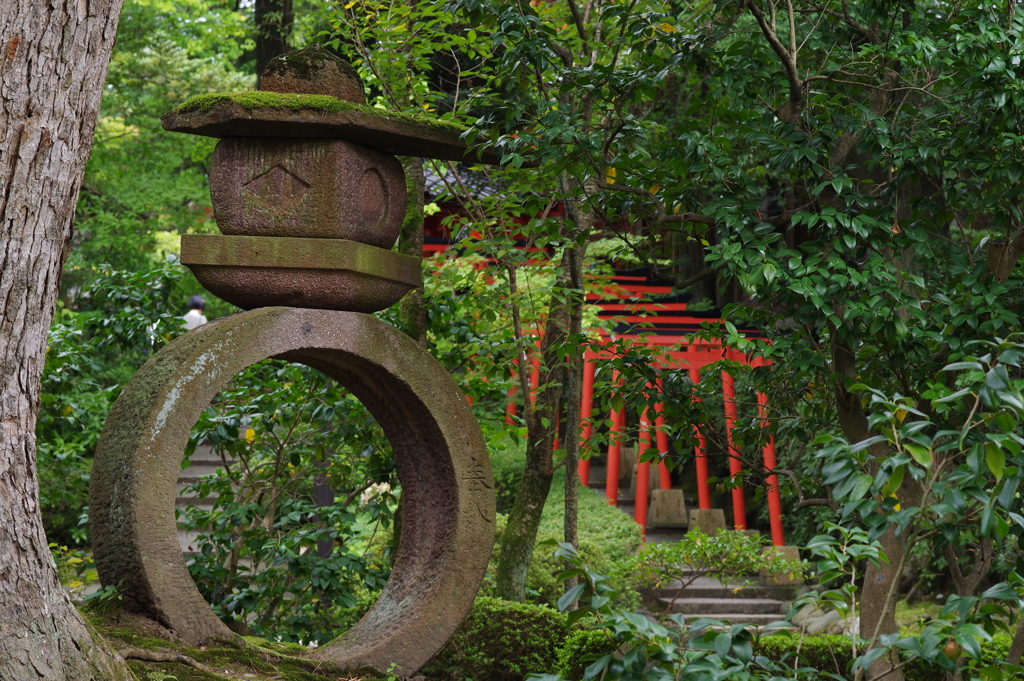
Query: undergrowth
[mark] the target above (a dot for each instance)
(249, 658)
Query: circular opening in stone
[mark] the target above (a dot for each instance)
(373, 198)
(286, 506)
(447, 515)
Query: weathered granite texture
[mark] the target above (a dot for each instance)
(269, 114)
(326, 189)
(326, 274)
(447, 489)
(315, 71)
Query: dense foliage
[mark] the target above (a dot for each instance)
(90, 355)
(845, 178)
(273, 558)
(501, 641)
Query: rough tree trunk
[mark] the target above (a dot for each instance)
(274, 21)
(53, 61)
(582, 216)
(521, 531)
(1017, 645)
(877, 612)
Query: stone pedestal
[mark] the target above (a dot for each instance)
(708, 521)
(652, 477)
(667, 509)
(793, 579)
(627, 466)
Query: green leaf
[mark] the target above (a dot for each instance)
(901, 327)
(996, 459)
(963, 366)
(894, 482)
(921, 455)
(998, 378)
(570, 597)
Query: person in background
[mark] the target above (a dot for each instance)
(195, 317)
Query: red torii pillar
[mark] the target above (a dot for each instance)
(664, 477)
(618, 417)
(768, 451)
(701, 453)
(586, 409)
(739, 504)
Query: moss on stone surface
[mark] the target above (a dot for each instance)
(253, 99)
(307, 62)
(250, 657)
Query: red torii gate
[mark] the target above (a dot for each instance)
(692, 356)
(634, 306)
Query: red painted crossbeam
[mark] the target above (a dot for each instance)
(643, 306)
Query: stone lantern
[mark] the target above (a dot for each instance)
(309, 199)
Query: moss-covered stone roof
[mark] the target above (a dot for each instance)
(252, 100)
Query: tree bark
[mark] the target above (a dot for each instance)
(412, 312)
(274, 21)
(574, 393)
(582, 216)
(53, 62)
(877, 580)
(1017, 644)
(524, 518)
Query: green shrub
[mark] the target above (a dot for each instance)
(832, 654)
(500, 641)
(578, 645)
(606, 535)
(507, 462)
(346, 618)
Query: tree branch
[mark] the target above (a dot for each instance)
(578, 20)
(153, 656)
(804, 503)
(788, 59)
(661, 215)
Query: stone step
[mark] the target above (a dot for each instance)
(713, 606)
(193, 472)
(664, 535)
(709, 588)
(739, 618)
(182, 502)
(204, 458)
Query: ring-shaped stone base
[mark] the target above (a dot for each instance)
(441, 458)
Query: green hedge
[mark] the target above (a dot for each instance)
(500, 641)
(579, 644)
(832, 654)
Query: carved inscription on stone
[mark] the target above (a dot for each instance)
(307, 188)
(278, 188)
